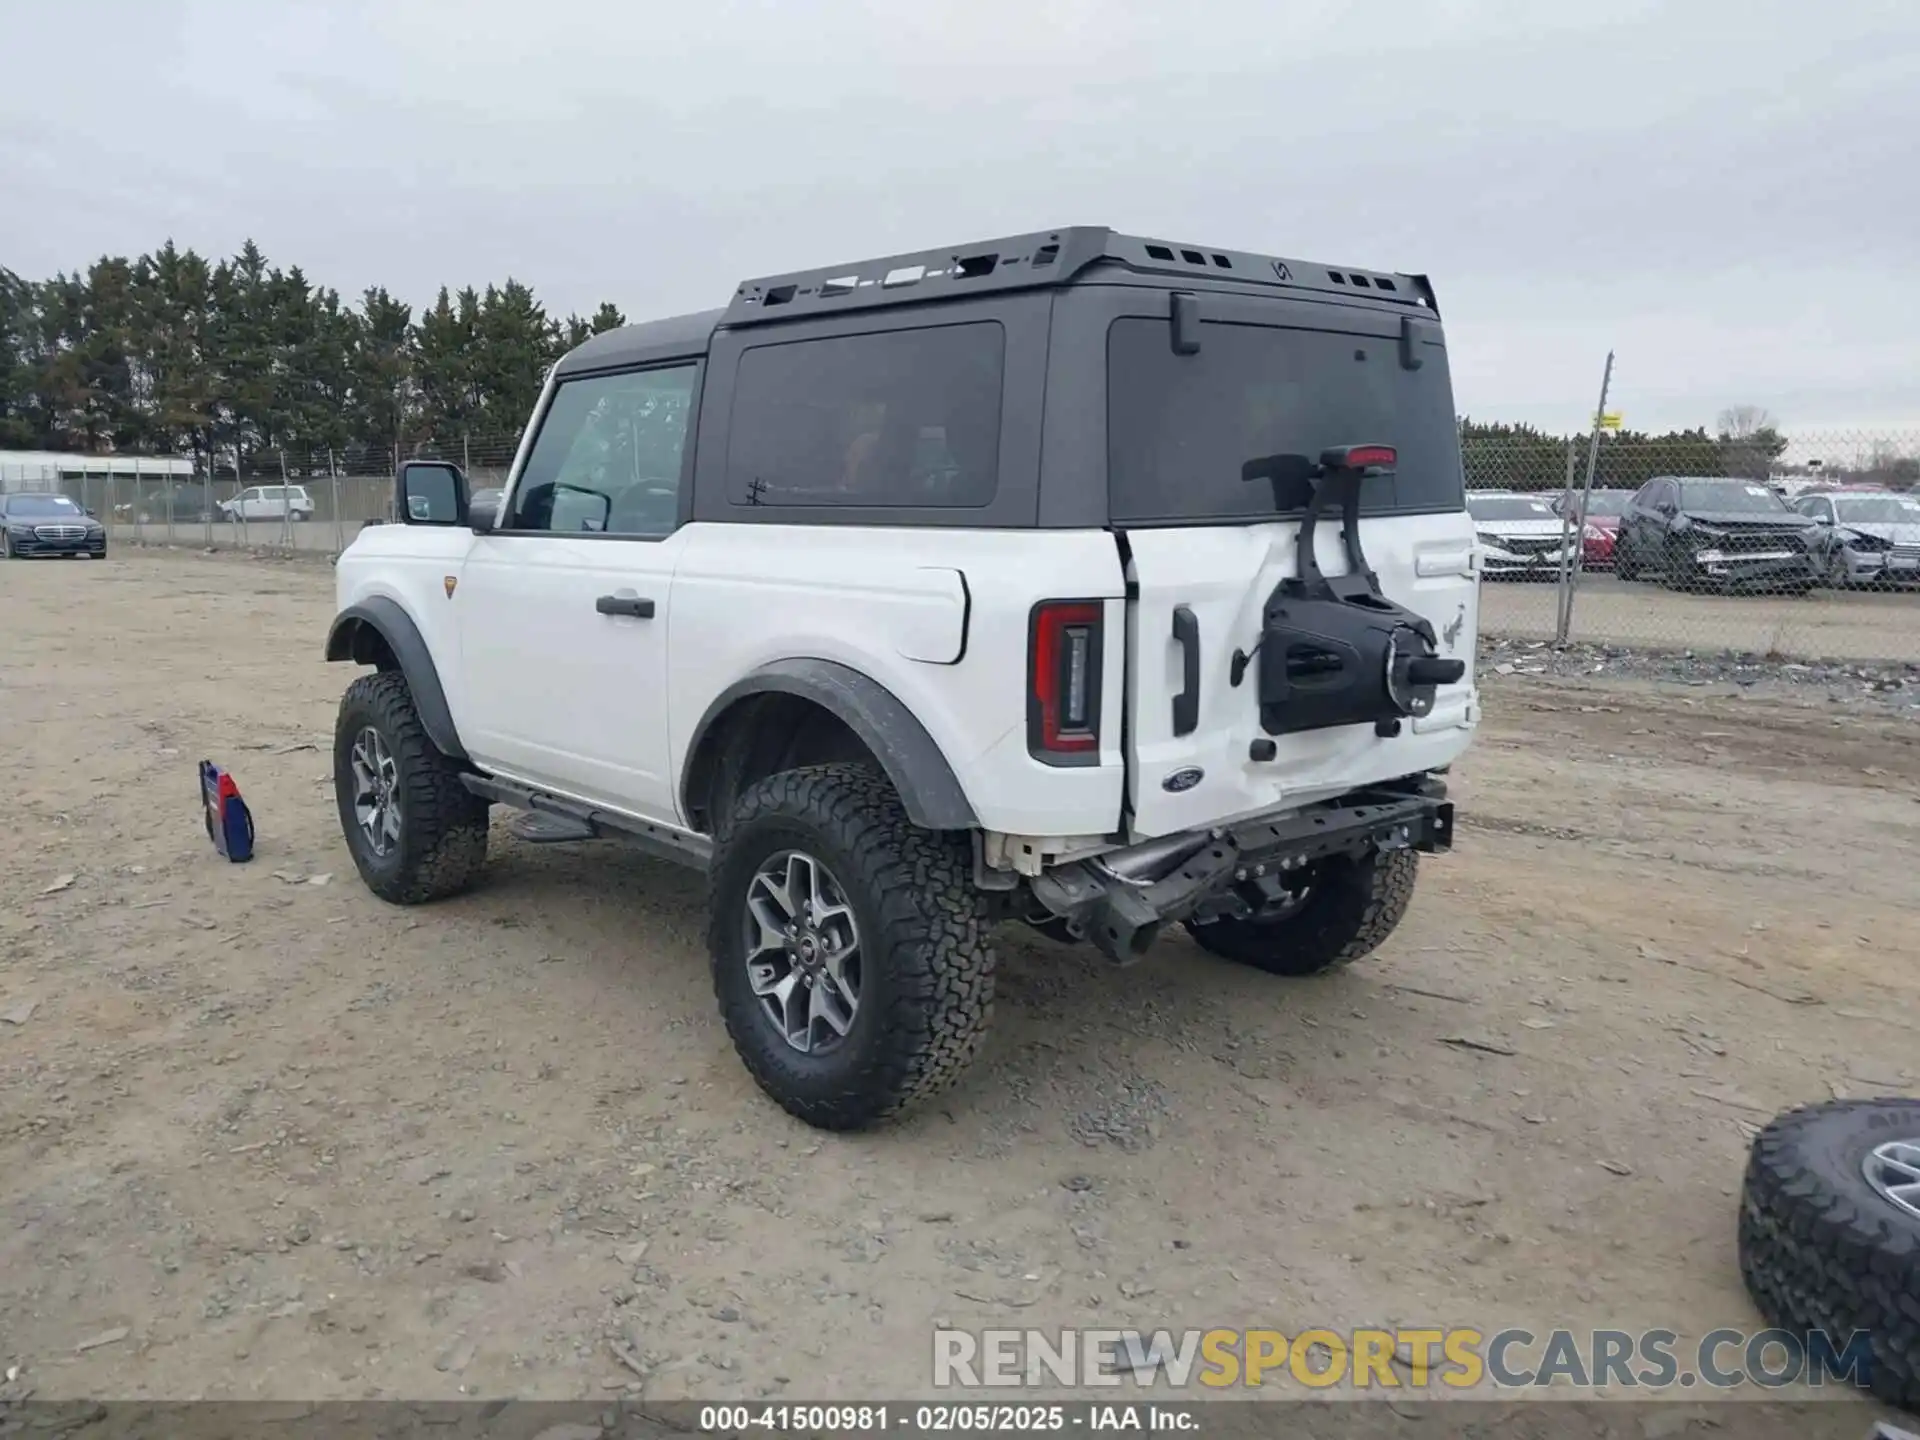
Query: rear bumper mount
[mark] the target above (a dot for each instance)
(1123, 900)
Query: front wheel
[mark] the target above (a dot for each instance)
(1348, 908)
(851, 954)
(415, 832)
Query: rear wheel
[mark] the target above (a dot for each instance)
(851, 953)
(415, 831)
(1623, 566)
(1348, 908)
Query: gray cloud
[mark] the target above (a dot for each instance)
(1721, 191)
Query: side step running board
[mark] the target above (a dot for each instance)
(540, 827)
(551, 819)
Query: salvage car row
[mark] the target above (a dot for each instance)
(1704, 533)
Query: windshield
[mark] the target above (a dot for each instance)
(1877, 510)
(1605, 502)
(1730, 497)
(1509, 507)
(42, 505)
(1180, 427)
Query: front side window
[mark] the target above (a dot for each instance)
(900, 418)
(608, 457)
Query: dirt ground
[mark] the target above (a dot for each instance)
(263, 1136)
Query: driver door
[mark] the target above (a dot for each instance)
(565, 609)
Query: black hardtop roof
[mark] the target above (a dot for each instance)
(671, 339)
(1042, 258)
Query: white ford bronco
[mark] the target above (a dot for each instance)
(1072, 579)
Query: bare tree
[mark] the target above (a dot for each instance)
(1750, 441)
(1738, 422)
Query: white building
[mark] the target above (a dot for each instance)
(58, 470)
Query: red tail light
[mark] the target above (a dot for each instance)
(1369, 457)
(1063, 681)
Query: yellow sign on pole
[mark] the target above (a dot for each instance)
(1610, 420)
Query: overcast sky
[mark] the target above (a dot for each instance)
(1727, 192)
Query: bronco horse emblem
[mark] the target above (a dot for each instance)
(451, 581)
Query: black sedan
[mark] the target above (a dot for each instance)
(1710, 533)
(48, 525)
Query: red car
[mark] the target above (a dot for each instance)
(1600, 526)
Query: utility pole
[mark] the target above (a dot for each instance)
(1565, 626)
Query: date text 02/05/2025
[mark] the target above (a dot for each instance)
(940, 1419)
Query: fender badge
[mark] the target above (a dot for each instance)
(1183, 780)
(451, 581)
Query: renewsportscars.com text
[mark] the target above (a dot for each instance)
(1402, 1359)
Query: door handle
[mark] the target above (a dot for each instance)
(625, 605)
(1186, 705)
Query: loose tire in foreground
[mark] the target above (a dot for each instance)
(1350, 907)
(851, 954)
(1823, 1247)
(416, 833)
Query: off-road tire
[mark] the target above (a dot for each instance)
(1821, 1249)
(443, 825)
(1624, 569)
(1352, 907)
(927, 962)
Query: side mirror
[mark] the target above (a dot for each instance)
(483, 516)
(430, 492)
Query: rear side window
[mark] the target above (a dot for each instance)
(1181, 426)
(905, 418)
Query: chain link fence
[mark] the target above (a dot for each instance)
(1696, 544)
(1683, 544)
(284, 501)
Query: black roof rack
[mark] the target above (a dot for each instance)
(1045, 258)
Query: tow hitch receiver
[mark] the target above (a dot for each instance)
(1334, 650)
(1124, 900)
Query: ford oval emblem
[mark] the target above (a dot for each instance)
(1182, 780)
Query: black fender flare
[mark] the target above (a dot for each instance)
(929, 791)
(385, 618)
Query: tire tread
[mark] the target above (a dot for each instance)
(444, 846)
(1352, 922)
(1814, 1256)
(934, 939)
